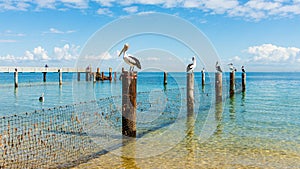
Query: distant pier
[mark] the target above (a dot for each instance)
(45, 70)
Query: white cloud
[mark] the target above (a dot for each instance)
(103, 56)
(105, 2)
(56, 31)
(132, 9)
(40, 53)
(104, 11)
(250, 10)
(269, 53)
(45, 3)
(67, 52)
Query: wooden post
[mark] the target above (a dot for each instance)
(86, 76)
(78, 76)
(190, 94)
(102, 76)
(243, 82)
(203, 78)
(94, 77)
(16, 77)
(60, 76)
(165, 78)
(129, 103)
(115, 76)
(218, 87)
(232, 83)
(110, 74)
(44, 76)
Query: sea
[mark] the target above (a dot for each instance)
(257, 128)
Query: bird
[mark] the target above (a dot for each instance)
(218, 67)
(231, 67)
(192, 66)
(41, 99)
(243, 69)
(130, 60)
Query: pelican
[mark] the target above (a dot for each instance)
(218, 67)
(130, 60)
(243, 69)
(41, 99)
(192, 66)
(231, 67)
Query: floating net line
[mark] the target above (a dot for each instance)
(62, 137)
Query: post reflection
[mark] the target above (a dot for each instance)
(129, 153)
(190, 141)
(218, 117)
(232, 113)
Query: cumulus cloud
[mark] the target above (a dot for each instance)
(269, 53)
(132, 9)
(252, 9)
(104, 11)
(65, 53)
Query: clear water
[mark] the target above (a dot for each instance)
(256, 129)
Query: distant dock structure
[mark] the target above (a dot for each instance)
(45, 70)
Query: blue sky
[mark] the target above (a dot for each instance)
(261, 34)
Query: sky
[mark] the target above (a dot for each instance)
(263, 35)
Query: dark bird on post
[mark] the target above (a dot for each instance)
(243, 69)
(218, 67)
(130, 60)
(192, 66)
(231, 67)
(41, 99)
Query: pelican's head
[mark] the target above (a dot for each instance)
(125, 48)
(230, 64)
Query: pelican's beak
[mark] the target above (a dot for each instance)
(125, 48)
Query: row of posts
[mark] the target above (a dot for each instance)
(89, 76)
(129, 96)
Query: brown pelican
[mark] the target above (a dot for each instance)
(218, 67)
(130, 60)
(192, 66)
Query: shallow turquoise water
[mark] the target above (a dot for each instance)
(263, 122)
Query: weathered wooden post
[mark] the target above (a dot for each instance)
(165, 78)
(115, 76)
(203, 77)
(232, 83)
(44, 76)
(16, 77)
(218, 86)
(110, 74)
(60, 76)
(78, 76)
(190, 94)
(94, 77)
(102, 76)
(243, 81)
(129, 103)
(87, 74)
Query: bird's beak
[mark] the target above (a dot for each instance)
(125, 48)
(122, 51)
